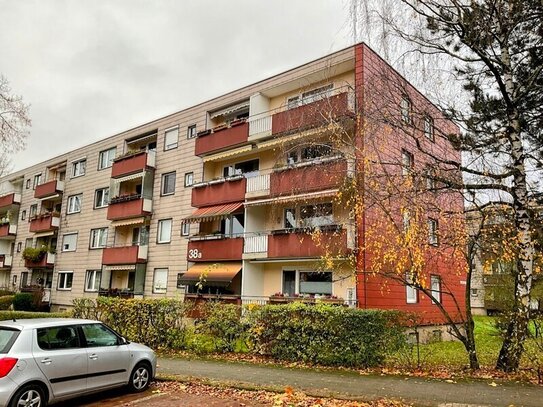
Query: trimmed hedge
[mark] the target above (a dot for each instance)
(321, 334)
(24, 302)
(9, 315)
(6, 301)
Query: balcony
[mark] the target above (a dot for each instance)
(258, 186)
(45, 223)
(221, 138)
(7, 230)
(327, 173)
(124, 255)
(225, 190)
(131, 206)
(313, 114)
(8, 200)
(133, 163)
(49, 189)
(5, 261)
(215, 248)
(300, 244)
(47, 261)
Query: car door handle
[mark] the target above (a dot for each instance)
(93, 357)
(46, 361)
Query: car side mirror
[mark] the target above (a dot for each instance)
(123, 341)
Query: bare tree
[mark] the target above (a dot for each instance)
(14, 123)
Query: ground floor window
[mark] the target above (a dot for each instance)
(92, 280)
(65, 279)
(307, 282)
(160, 281)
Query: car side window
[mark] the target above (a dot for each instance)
(58, 337)
(99, 335)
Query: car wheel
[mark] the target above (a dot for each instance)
(29, 396)
(140, 378)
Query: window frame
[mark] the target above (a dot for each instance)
(160, 290)
(160, 228)
(63, 250)
(433, 232)
(74, 166)
(75, 329)
(429, 132)
(96, 195)
(171, 146)
(105, 328)
(189, 131)
(32, 211)
(436, 293)
(110, 161)
(163, 184)
(406, 112)
(36, 180)
(106, 229)
(72, 198)
(23, 214)
(407, 170)
(191, 175)
(96, 284)
(185, 229)
(65, 273)
(414, 298)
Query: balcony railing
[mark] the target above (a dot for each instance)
(132, 163)
(255, 244)
(48, 189)
(124, 255)
(258, 185)
(215, 248)
(130, 206)
(45, 223)
(47, 261)
(7, 230)
(296, 243)
(5, 260)
(221, 191)
(10, 199)
(221, 138)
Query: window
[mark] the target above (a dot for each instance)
(74, 204)
(406, 220)
(233, 225)
(429, 128)
(293, 102)
(435, 282)
(99, 335)
(58, 337)
(19, 247)
(160, 281)
(164, 231)
(430, 178)
(245, 167)
(29, 242)
(28, 183)
(313, 216)
(411, 292)
(408, 162)
(168, 183)
(69, 242)
(24, 278)
(315, 151)
(101, 198)
(79, 168)
(406, 110)
(37, 181)
(33, 211)
(313, 282)
(433, 237)
(23, 215)
(314, 95)
(92, 280)
(170, 139)
(189, 179)
(106, 157)
(191, 131)
(65, 279)
(290, 218)
(185, 229)
(98, 238)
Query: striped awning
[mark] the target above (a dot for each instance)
(211, 272)
(128, 222)
(213, 212)
(230, 109)
(121, 267)
(279, 141)
(129, 177)
(228, 153)
(44, 234)
(293, 198)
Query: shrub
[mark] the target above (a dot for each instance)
(224, 324)
(10, 315)
(34, 254)
(6, 301)
(24, 302)
(325, 334)
(6, 292)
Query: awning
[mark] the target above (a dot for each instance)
(127, 222)
(121, 267)
(44, 234)
(211, 272)
(128, 177)
(230, 109)
(286, 139)
(213, 212)
(291, 198)
(229, 153)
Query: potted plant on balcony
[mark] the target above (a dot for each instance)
(219, 128)
(129, 153)
(203, 133)
(237, 122)
(279, 298)
(34, 254)
(331, 300)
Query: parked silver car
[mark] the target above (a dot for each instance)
(47, 360)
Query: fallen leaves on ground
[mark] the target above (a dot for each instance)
(290, 397)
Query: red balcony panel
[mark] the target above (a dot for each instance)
(312, 114)
(302, 245)
(123, 255)
(47, 261)
(222, 139)
(126, 209)
(7, 230)
(44, 223)
(48, 188)
(220, 193)
(312, 178)
(131, 164)
(215, 249)
(10, 199)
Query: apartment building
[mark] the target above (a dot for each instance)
(214, 201)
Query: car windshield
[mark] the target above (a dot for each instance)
(7, 337)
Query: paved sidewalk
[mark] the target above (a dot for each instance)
(419, 391)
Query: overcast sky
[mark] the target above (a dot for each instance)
(91, 69)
